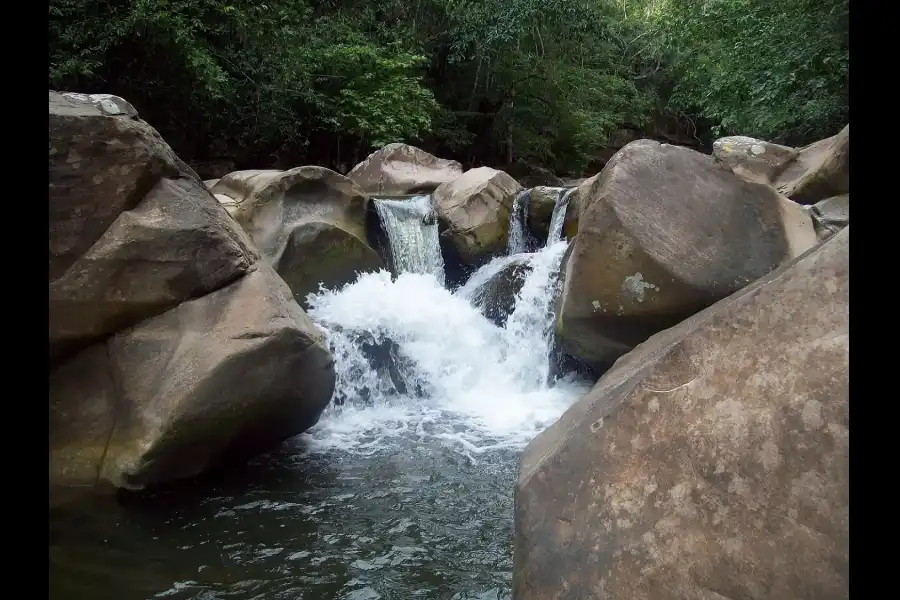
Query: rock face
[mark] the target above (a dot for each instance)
(226, 374)
(751, 159)
(133, 232)
(474, 212)
(172, 346)
(664, 232)
(821, 170)
(710, 462)
(804, 175)
(399, 169)
(540, 209)
(830, 215)
(496, 297)
(309, 222)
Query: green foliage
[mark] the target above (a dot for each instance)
(776, 69)
(486, 81)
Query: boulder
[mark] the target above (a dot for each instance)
(399, 169)
(752, 159)
(529, 175)
(710, 462)
(821, 170)
(133, 230)
(663, 232)
(830, 215)
(540, 209)
(496, 296)
(805, 175)
(218, 377)
(474, 212)
(309, 222)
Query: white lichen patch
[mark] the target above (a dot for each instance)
(596, 304)
(769, 455)
(812, 415)
(730, 420)
(637, 287)
(757, 149)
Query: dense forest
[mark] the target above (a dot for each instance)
(553, 83)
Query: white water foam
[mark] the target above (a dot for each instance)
(483, 387)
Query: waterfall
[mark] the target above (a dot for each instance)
(558, 220)
(520, 239)
(412, 230)
(494, 379)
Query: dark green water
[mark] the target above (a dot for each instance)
(418, 520)
(387, 497)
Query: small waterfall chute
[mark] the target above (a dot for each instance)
(520, 238)
(412, 230)
(558, 219)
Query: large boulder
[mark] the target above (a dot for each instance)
(540, 209)
(664, 232)
(474, 212)
(820, 171)
(710, 462)
(174, 347)
(309, 222)
(133, 231)
(222, 376)
(805, 175)
(399, 169)
(752, 159)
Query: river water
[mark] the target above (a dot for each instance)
(395, 493)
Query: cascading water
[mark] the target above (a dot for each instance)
(520, 239)
(404, 489)
(558, 219)
(412, 230)
(493, 380)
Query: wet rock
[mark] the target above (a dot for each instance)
(540, 209)
(399, 169)
(496, 298)
(309, 223)
(133, 231)
(474, 212)
(223, 376)
(664, 232)
(710, 462)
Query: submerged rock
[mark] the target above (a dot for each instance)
(474, 212)
(711, 461)
(663, 232)
(399, 169)
(309, 222)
